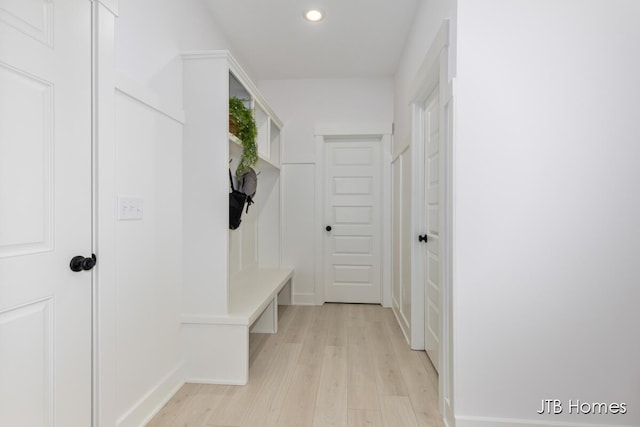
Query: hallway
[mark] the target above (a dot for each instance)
(335, 365)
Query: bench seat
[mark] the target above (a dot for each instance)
(217, 346)
(251, 291)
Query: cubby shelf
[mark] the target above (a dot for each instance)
(233, 280)
(235, 149)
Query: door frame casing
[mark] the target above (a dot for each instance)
(422, 251)
(434, 74)
(350, 130)
(104, 316)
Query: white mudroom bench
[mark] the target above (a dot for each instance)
(218, 346)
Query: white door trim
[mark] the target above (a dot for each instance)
(323, 130)
(104, 392)
(434, 73)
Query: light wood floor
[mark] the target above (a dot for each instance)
(335, 365)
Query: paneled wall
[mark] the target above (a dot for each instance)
(146, 361)
(243, 242)
(257, 241)
(298, 219)
(148, 256)
(402, 237)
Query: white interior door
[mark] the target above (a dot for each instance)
(45, 212)
(403, 236)
(432, 319)
(353, 220)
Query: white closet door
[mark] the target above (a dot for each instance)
(396, 206)
(432, 320)
(45, 212)
(402, 238)
(353, 221)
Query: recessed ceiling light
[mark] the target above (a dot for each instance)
(314, 15)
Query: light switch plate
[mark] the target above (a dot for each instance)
(130, 208)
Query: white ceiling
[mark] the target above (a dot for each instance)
(357, 38)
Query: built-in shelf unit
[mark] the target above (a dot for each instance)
(233, 279)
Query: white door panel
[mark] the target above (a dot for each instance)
(25, 158)
(431, 133)
(353, 186)
(353, 274)
(353, 215)
(352, 156)
(353, 245)
(353, 211)
(402, 238)
(396, 205)
(45, 212)
(407, 236)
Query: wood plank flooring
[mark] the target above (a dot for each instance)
(335, 365)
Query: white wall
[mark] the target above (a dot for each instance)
(301, 104)
(148, 258)
(149, 36)
(547, 209)
(426, 24)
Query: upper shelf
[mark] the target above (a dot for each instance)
(235, 148)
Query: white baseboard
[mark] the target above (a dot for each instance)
(466, 421)
(403, 326)
(304, 299)
(150, 404)
(213, 381)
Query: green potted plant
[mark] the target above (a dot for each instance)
(243, 126)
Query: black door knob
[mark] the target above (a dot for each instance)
(422, 238)
(79, 263)
(328, 228)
